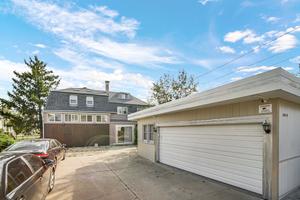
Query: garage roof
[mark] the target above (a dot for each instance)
(276, 83)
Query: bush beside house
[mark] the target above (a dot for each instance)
(5, 140)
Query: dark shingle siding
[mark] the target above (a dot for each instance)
(60, 101)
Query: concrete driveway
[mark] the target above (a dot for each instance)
(118, 173)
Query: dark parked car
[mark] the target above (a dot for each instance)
(44, 148)
(25, 176)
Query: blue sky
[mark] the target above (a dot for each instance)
(133, 42)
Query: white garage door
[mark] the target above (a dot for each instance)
(231, 154)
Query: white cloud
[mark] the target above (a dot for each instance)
(95, 31)
(35, 52)
(236, 78)
(76, 58)
(270, 19)
(226, 49)
(204, 2)
(295, 60)
(85, 76)
(236, 35)
(288, 68)
(249, 69)
(283, 43)
(42, 46)
(297, 19)
(7, 68)
(106, 11)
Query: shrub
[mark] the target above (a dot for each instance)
(5, 141)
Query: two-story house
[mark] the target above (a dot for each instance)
(83, 117)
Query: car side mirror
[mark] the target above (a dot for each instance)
(48, 162)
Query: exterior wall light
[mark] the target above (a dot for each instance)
(266, 126)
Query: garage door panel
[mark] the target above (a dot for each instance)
(219, 142)
(214, 130)
(253, 138)
(229, 153)
(222, 158)
(251, 151)
(238, 169)
(250, 184)
(251, 157)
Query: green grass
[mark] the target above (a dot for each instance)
(21, 137)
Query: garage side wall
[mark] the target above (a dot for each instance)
(249, 108)
(289, 147)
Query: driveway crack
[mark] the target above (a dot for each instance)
(136, 197)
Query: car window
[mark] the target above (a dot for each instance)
(35, 162)
(28, 145)
(58, 143)
(52, 144)
(17, 173)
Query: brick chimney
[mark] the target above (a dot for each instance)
(107, 87)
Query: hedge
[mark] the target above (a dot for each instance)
(5, 141)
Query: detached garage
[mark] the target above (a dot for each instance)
(246, 133)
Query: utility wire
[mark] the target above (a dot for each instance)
(247, 53)
(274, 65)
(255, 63)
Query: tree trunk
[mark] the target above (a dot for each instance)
(40, 122)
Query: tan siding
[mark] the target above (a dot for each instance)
(224, 111)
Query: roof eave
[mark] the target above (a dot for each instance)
(271, 83)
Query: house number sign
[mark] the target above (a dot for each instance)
(266, 108)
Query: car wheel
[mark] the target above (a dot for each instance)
(51, 180)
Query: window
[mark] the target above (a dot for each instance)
(83, 118)
(73, 100)
(86, 118)
(67, 117)
(74, 118)
(90, 101)
(148, 131)
(52, 144)
(58, 143)
(122, 110)
(71, 118)
(35, 162)
(139, 109)
(123, 96)
(89, 118)
(102, 118)
(17, 173)
(54, 117)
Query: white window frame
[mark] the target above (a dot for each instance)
(132, 136)
(102, 117)
(121, 110)
(89, 99)
(73, 98)
(54, 115)
(149, 131)
(72, 118)
(123, 96)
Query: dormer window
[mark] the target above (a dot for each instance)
(123, 96)
(89, 101)
(73, 100)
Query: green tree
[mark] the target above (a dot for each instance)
(168, 88)
(25, 103)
